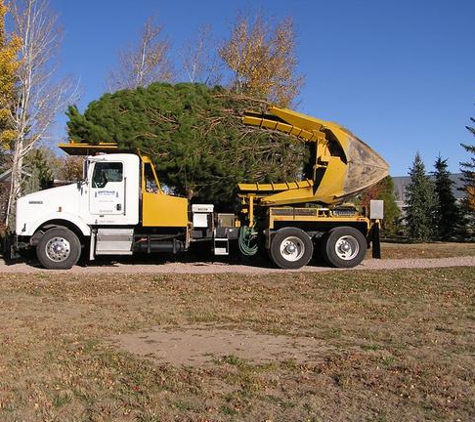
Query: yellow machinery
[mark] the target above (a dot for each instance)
(343, 165)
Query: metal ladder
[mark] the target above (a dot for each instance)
(221, 246)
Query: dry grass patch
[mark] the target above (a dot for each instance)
(427, 250)
(204, 344)
(399, 345)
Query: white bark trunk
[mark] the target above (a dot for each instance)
(38, 99)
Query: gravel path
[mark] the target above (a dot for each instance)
(213, 267)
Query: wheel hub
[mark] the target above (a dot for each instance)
(292, 248)
(347, 247)
(58, 249)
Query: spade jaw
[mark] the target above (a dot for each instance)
(343, 164)
(365, 167)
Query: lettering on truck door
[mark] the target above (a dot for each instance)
(107, 193)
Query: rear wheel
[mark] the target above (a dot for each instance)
(344, 247)
(291, 248)
(58, 249)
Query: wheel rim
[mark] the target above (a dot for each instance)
(347, 248)
(292, 248)
(58, 249)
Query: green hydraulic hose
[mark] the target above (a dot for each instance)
(246, 236)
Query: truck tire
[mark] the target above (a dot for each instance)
(291, 248)
(58, 249)
(344, 247)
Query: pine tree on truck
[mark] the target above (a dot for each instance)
(119, 208)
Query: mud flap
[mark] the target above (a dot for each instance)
(10, 247)
(375, 240)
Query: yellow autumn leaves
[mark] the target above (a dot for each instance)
(9, 63)
(263, 60)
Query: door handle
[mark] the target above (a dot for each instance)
(118, 207)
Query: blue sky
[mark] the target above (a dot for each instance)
(399, 74)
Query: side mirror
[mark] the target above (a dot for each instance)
(85, 168)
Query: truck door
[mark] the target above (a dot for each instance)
(107, 192)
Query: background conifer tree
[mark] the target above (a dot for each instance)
(468, 171)
(448, 214)
(421, 204)
(39, 167)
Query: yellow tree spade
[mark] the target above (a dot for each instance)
(262, 59)
(9, 64)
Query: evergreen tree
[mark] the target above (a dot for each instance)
(195, 136)
(421, 203)
(468, 171)
(384, 190)
(42, 169)
(39, 167)
(448, 214)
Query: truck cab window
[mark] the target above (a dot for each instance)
(106, 172)
(150, 182)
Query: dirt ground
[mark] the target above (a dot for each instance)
(202, 345)
(435, 255)
(203, 267)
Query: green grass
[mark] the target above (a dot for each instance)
(398, 345)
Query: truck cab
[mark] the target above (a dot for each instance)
(119, 203)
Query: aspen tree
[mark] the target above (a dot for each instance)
(262, 59)
(144, 62)
(39, 94)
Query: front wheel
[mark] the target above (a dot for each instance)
(344, 247)
(291, 248)
(58, 249)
